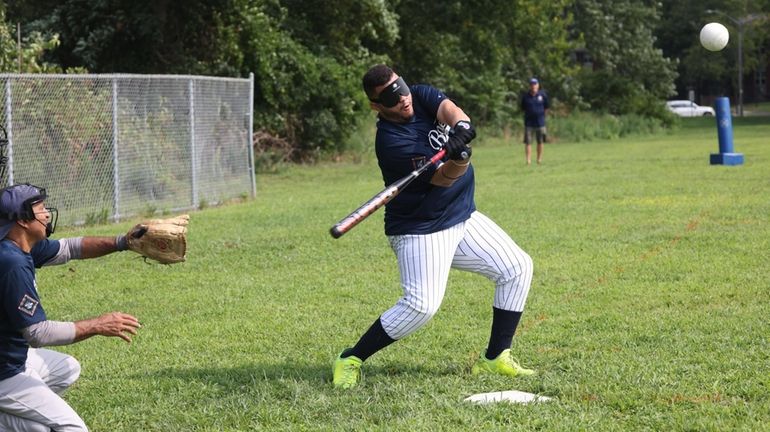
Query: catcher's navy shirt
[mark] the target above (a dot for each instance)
(422, 208)
(19, 303)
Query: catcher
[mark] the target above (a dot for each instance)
(32, 378)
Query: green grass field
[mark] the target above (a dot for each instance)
(649, 308)
(763, 107)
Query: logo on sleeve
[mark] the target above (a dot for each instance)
(28, 305)
(418, 162)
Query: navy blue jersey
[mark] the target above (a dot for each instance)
(19, 302)
(422, 208)
(534, 107)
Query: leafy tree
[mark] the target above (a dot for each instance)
(308, 58)
(308, 55)
(482, 52)
(306, 89)
(27, 56)
(342, 28)
(713, 73)
(158, 36)
(629, 73)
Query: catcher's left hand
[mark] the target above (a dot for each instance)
(162, 240)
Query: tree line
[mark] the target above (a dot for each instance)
(611, 56)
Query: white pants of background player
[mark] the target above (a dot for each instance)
(477, 245)
(30, 401)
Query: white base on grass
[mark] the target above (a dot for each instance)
(513, 396)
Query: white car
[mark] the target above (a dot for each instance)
(685, 108)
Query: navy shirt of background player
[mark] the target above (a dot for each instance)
(534, 106)
(422, 208)
(19, 302)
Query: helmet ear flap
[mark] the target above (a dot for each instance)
(24, 215)
(23, 210)
(27, 213)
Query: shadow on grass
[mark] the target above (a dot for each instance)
(231, 379)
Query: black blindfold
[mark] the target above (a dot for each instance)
(391, 95)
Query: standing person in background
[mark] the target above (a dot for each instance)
(535, 105)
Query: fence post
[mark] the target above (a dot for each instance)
(9, 128)
(193, 158)
(250, 138)
(115, 166)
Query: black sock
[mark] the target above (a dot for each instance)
(372, 341)
(504, 325)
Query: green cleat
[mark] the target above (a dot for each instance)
(504, 364)
(347, 372)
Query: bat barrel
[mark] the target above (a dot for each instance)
(336, 231)
(379, 200)
(365, 210)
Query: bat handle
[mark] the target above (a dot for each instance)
(437, 157)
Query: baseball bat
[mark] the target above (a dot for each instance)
(380, 199)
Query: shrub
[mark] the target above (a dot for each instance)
(270, 152)
(585, 126)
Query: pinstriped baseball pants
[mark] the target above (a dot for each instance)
(477, 245)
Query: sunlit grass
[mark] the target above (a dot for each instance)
(649, 308)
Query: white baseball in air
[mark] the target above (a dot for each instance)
(714, 36)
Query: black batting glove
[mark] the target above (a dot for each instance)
(465, 131)
(456, 149)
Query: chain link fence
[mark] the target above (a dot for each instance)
(108, 147)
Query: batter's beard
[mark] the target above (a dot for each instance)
(400, 116)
